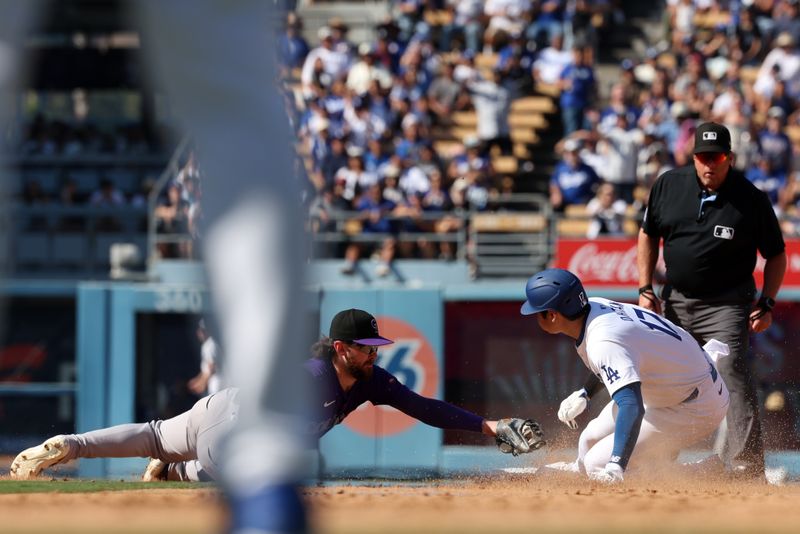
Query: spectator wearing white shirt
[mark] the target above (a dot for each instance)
(607, 212)
(354, 177)
(334, 63)
(783, 63)
(492, 104)
(366, 71)
(507, 16)
(621, 148)
(551, 61)
(412, 179)
(207, 381)
(361, 124)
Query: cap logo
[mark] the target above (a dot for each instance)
(709, 136)
(582, 299)
(375, 325)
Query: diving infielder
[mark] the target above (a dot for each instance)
(186, 447)
(666, 392)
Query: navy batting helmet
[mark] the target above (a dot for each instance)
(554, 289)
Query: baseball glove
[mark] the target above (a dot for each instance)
(518, 436)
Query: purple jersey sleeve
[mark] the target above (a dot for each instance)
(388, 390)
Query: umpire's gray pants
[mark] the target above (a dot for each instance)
(188, 442)
(726, 318)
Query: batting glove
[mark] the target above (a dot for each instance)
(611, 474)
(572, 407)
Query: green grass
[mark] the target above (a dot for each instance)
(89, 486)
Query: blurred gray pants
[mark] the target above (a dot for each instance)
(725, 317)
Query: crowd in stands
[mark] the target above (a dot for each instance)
(369, 114)
(58, 138)
(737, 63)
(370, 117)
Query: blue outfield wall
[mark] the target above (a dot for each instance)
(106, 355)
(374, 441)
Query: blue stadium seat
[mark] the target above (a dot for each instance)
(71, 250)
(86, 180)
(49, 179)
(126, 180)
(32, 248)
(102, 245)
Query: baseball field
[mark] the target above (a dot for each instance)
(466, 505)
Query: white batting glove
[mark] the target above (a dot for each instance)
(611, 474)
(572, 407)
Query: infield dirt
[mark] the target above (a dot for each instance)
(463, 506)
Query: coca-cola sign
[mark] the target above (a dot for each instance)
(606, 262)
(612, 262)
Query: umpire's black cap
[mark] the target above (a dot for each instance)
(357, 325)
(712, 137)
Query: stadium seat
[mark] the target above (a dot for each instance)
(86, 180)
(32, 249)
(577, 227)
(505, 164)
(533, 104)
(49, 179)
(71, 250)
(102, 247)
(125, 180)
(528, 120)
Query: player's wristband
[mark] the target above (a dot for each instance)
(646, 289)
(766, 303)
(592, 385)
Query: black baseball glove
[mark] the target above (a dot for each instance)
(518, 436)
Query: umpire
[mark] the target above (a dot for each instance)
(712, 221)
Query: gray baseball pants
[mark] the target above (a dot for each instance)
(188, 442)
(726, 318)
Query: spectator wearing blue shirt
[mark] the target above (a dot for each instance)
(548, 19)
(573, 181)
(769, 180)
(292, 47)
(376, 156)
(774, 145)
(577, 86)
(373, 213)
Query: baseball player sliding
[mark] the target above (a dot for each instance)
(343, 371)
(666, 392)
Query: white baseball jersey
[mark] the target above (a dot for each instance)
(623, 343)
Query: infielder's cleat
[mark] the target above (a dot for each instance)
(155, 470)
(30, 462)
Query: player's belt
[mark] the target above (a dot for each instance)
(713, 372)
(696, 391)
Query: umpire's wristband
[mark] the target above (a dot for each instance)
(646, 289)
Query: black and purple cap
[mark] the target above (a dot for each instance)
(357, 325)
(712, 137)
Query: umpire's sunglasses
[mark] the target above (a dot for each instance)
(711, 158)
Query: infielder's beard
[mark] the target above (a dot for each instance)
(359, 372)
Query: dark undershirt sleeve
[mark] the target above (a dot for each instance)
(432, 412)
